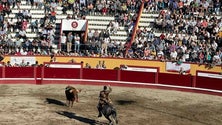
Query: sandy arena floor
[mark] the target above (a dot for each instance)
(45, 105)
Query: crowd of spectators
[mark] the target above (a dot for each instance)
(189, 30)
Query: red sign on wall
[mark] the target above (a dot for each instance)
(74, 24)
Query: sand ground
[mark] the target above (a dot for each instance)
(45, 105)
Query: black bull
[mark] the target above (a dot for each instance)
(70, 96)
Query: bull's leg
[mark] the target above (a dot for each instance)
(76, 98)
(72, 103)
(67, 102)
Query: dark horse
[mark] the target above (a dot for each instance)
(110, 113)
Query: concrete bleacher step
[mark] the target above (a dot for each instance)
(27, 35)
(118, 38)
(103, 18)
(147, 19)
(98, 22)
(149, 15)
(145, 24)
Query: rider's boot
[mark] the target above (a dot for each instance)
(99, 109)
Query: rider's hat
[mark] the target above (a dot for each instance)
(104, 87)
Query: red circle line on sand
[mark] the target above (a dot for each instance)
(136, 85)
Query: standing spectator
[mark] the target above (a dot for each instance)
(63, 42)
(24, 24)
(70, 38)
(53, 16)
(115, 26)
(77, 43)
(104, 47)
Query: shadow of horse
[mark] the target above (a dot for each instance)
(125, 102)
(54, 101)
(79, 118)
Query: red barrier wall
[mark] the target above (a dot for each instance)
(100, 74)
(209, 83)
(175, 79)
(66, 73)
(19, 72)
(134, 76)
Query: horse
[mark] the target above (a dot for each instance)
(71, 95)
(109, 113)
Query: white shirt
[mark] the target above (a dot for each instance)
(77, 39)
(63, 39)
(173, 54)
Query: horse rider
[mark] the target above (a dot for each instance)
(104, 98)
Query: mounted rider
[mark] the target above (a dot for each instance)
(104, 98)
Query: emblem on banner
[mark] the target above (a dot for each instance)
(74, 24)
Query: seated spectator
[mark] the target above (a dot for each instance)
(99, 7)
(18, 3)
(182, 71)
(65, 7)
(87, 66)
(6, 10)
(53, 5)
(22, 34)
(8, 64)
(34, 26)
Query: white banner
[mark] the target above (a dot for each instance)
(73, 25)
(74, 66)
(140, 69)
(210, 75)
(174, 67)
(18, 59)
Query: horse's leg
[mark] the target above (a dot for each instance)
(114, 118)
(110, 121)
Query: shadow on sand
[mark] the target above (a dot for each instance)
(54, 101)
(125, 102)
(80, 118)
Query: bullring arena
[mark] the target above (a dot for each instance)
(28, 104)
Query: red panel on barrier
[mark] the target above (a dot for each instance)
(38, 72)
(100, 74)
(19, 72)
(65, 73)
(134, 76)
(175, 79)
(209, 83)
(1, 72)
